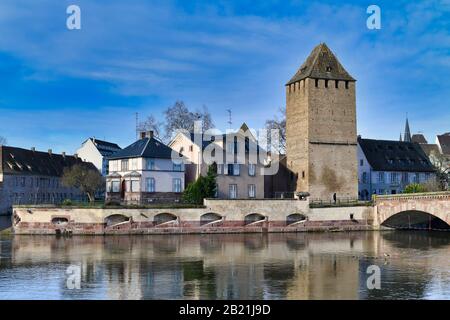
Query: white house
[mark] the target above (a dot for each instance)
(144, 173)
(96, 151)
(387, 167)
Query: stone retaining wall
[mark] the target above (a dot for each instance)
(232, 217)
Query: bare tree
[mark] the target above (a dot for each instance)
(278, 123)
(3, 141)
(441, 163)
(150, 124)
(88, 180)
(179, 117)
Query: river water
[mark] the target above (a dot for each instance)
(253, 266)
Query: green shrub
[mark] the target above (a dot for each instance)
(414, 188)
(67, 202)
(203, 187)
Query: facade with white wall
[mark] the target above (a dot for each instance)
(144, 172)
(387, 167)
(97, 151)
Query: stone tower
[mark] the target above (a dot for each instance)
(321, 127)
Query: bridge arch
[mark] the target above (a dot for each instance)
(415, 220)
(431, 206)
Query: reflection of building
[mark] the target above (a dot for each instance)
(34, 177)
(144, 172)
(96, 151)
(387, 167)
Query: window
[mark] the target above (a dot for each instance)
(346, 84)
(124, 166)
(232, 191)
(303, 174)
(251, 191)
(133, 164)
(405, 177)
(219, 168)
(394, 177)
(326, 83)
(176, 185)
(251, 169)
(191, 148)
(317, 83)
(336, 84)
(416, 178)
(381, 177)
(115, 186)
(361, 162)
(150, 164)
(236, 169)
(364, 177)
(150, 184)
(177, 167)
(135, 186)
(216, 191)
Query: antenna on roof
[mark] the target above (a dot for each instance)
(137, 125)
(229, 118)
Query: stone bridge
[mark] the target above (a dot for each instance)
(424, 210)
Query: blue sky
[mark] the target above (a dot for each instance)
(58, 87)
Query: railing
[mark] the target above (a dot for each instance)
(340, 202)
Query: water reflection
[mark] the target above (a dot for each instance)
(256, 266)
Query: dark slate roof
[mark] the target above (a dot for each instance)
(28, 162)
(418, 138)
(104, 147)
(444, 141)
(146, 148)
(385, 155)
(321, 64)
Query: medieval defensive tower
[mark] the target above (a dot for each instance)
(321, 127)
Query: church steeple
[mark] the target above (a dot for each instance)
(400, 137)
(407, 134)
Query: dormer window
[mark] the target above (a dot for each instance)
(328, 69)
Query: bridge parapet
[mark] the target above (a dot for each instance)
(413, 196)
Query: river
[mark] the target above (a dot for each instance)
(253, 266)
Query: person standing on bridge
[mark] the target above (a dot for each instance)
(334, 198)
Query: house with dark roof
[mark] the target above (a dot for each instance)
(387, 167)
(443, 142)
(34, 177)
(239, 170)
(97, 151)
(145, 172)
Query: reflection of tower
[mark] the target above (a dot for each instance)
(321, 127)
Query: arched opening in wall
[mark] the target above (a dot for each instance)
(209, 217)
(60, 221)
(294, 218)
(163, 218)
(415, 220)
(253, 218)
(316, 83)
(116, 219)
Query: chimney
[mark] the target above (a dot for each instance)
(150, 134)
(33, 149)
(50, 151)
(146, 134)
(142, 134)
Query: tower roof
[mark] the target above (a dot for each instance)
(321, 64)
(407, 134)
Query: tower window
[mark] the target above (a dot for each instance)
(336, 84)
(346, 84)
(326, 83)
(317, 83)
(303, 174)
(328, 69)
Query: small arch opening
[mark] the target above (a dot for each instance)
(60, 221)
(253, 218)
(294, 218)
(209, 218)
(115, 219)
(163, 218)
